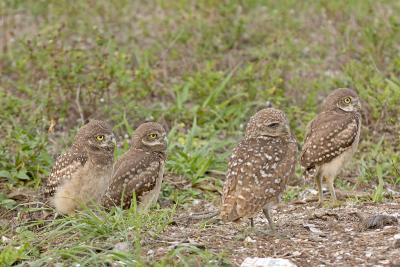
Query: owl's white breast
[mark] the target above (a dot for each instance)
(151, 197)
(332, 168)
(87, 185)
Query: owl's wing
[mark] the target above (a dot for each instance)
(65, 165)
(329, 135)
(257, 172)
(231, 182)
(136, 172)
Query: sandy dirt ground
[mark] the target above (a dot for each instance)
(306, 235)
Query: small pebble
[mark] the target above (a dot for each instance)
(248, 239)
(267, 262)
(5, 239)
(123, 246)
(396, 243)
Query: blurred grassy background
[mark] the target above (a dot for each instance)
(199, 67)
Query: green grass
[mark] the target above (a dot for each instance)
(202, 68)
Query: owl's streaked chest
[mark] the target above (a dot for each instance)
(151, 197)
(332, 168)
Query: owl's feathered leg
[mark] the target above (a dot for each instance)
(251, 223)
(330, 181)
(313, 173)
(334, 201)
(318, 182)
(267, 213)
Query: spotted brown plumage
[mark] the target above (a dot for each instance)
(332, 138)
(81, 174)
(140, 170)
(259, 167)
(65, 165)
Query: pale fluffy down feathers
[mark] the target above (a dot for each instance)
(86, 187)
(81, 175)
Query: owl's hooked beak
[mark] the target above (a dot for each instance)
(110, 142)
(162, 142)
(166, 140)
(113, 140)
(357, 104)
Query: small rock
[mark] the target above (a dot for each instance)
(313, 229)
(150, 252)
(396, 243)
(267, 262)
(196, 202)
(248, 239)
(379, 221)
(384, 262)
(123, 247)
(308, 193)
(5, 239)
(296, 253)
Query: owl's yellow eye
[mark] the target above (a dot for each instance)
(347, 100)
(100, 137)
(153, 136)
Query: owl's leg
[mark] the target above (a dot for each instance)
(318, 182)
(267, 213)
(334, 201)
(330, 181)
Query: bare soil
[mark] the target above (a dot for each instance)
(307, 235)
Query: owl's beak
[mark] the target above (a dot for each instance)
(113, 140)
(357, 104)
(166, 140)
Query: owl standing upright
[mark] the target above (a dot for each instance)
(81, 175)
(140, 170)
(332, 138)
(259, 167)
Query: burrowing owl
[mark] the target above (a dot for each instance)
(259, 167)
(140, 170)
(81, 175)
(332, 138)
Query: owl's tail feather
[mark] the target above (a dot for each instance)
(229, 213)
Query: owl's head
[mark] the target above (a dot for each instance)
(268, 122)
(343, 99)
(150, 136)
(97, 137)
